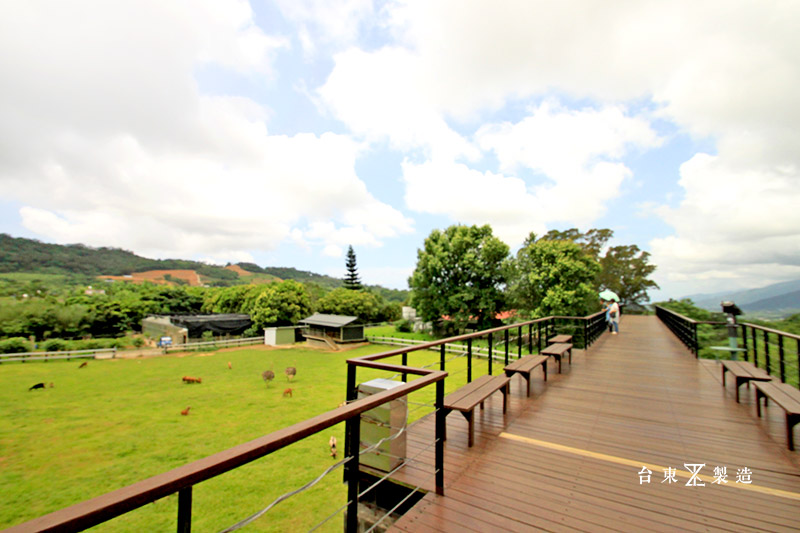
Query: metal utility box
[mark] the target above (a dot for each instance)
(381, 422)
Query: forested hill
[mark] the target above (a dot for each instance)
(18, 254)
(28, 255)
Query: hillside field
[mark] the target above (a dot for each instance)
(116, 422)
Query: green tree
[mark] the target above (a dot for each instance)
(553, 277)
(460, 273)
(342, 301)
(351, 279)
(592, 242)
(625, 271)
(281, 304)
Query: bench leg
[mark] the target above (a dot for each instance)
(544, 369)
(723, 374)
(758, 402)
(791, 420)
(470, 423)
(527, 377)
(559, 364)
(506, 393)
(738, 384)
(570, 357)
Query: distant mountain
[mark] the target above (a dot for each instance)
(778, 298)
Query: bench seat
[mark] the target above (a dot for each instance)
(525, 366)
(787, 397)
(558, 350)
(744, 372)
(466, 398)
(560, 339)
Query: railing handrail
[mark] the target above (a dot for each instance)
(464, 337)
(770, 330)
(682, 317)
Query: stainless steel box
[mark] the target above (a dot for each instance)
(382, 422)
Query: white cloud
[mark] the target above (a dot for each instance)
(128, 152)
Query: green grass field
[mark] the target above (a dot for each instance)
(117, 422)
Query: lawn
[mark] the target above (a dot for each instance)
(116, 422)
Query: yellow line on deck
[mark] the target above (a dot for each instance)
(654, 468)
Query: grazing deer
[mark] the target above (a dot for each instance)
(332, 444)
(290, 372)
(230, 366)
(267, 376)
(84, 364)
(287, 392)
(190, 379)
(185, 412)
(37, 386)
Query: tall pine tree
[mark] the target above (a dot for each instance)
(351, 279)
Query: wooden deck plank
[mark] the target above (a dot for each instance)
(639, 396)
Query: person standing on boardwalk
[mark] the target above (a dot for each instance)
(613, 317)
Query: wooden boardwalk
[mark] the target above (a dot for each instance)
(569, 457)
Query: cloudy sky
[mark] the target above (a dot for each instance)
(281, 132)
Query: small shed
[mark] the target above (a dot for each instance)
(336, 328)
(280, 335)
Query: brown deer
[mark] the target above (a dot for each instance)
(84, 364)
(332, 444)
(190, 379)
(185, 412)
(287, 392)
(230, 366)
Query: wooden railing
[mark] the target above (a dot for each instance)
(777, 352)
(683, 327)
(182, 479)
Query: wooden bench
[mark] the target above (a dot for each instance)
(525, 366)
(744, 372)
(786, 397)
(560, 339)
(470, 395)
(558, 350)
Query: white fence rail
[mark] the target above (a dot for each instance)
(111, 353)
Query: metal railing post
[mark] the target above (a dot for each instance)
(469, 360)
(442, 350)
(744, 343)
(695, 347)
(766, 353)
(490, 354)
(505, 334)
(519, 342)
(351, 394)
(539, 336)
(353, 429)
(780, 359)
(185, 510)
(530, 338)
(440, 433)
(755, 346)
(405, 363)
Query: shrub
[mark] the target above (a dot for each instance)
(14, 345)
(138, 342)
(404, 326)
(55, 345)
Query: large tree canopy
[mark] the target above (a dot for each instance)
(553, 277)
(342, 301)
(625, 271)
(460, 273)
(281, 304)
